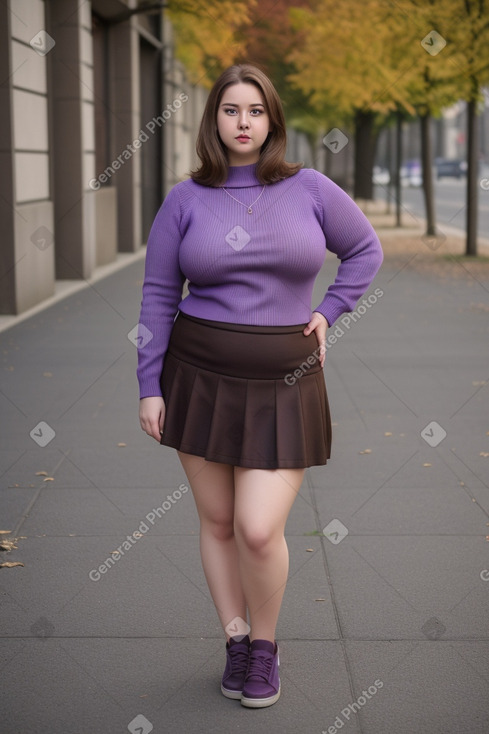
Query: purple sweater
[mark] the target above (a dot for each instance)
(254, 268)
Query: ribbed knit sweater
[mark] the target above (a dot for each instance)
(256, 268)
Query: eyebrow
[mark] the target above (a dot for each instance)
(231, 104)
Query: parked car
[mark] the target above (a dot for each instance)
(411, 174)
(381, 176)
(450, 168)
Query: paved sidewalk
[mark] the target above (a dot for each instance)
(383, 630)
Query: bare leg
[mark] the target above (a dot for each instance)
(212, 486)
(263, 499)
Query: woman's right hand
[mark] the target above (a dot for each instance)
(152, 416)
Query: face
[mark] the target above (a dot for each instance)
(242, 112)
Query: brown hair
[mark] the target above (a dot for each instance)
(212, 152)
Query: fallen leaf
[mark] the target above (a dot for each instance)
(41, 473)
(387, 433)
(309, 550)
(7, 545)
(48, 479)
(122, 444)
(485, 454)
(427, 464)
(47, 374)
(10, 564)
(319, 599)
(5, 532)
(365, 451)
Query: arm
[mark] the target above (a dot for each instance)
(352, 238)
(162, 292)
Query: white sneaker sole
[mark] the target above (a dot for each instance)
(258, 703)
(230, 694)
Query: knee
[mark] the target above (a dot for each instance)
(219, 526)
(256, 538)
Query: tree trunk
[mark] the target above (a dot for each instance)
(365, 145)
(389, 168)
(426, 164)
(472, 175)
(397, 173)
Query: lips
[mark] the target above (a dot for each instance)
(243, 137)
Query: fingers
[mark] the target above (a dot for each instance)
(152, 428)
(318, 324)
(322, 346)
(152, 417)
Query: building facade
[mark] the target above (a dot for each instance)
(97, 123)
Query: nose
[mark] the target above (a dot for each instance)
(243, 120)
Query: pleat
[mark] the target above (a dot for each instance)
(226, 428)
(255, 423)
(313, 402)
(198, 412)
(177, 386)
(291, 424)
(259, 443)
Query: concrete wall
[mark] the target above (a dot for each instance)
(106, 225)
(26, 213)
(53, 223)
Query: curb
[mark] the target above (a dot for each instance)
(66, 288)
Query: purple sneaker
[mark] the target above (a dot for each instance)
(237, 656)
(262, 682)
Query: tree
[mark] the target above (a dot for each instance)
(458, 32)
(431, 88)
(471, 39)
(352, 60)
(270, 38)
(209, 36)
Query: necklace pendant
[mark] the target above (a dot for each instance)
(250, 210)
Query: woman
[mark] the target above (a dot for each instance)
(249, 231)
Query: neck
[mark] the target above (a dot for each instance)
(242, 176)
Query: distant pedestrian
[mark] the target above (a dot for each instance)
(232, 376)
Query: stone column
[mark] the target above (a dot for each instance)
(72, 138)
(26, 209)
(124, 83)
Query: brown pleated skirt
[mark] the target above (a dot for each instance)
(251, 396)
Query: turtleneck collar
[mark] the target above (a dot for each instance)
(241, 176)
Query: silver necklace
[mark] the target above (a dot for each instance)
(249, 206)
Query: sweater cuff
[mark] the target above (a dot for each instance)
(331, 310)
(150, 389)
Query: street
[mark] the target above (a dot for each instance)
(450, 207)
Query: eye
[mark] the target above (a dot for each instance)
(260, 112)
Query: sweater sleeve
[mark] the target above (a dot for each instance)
(352, 238)
(162, 293)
